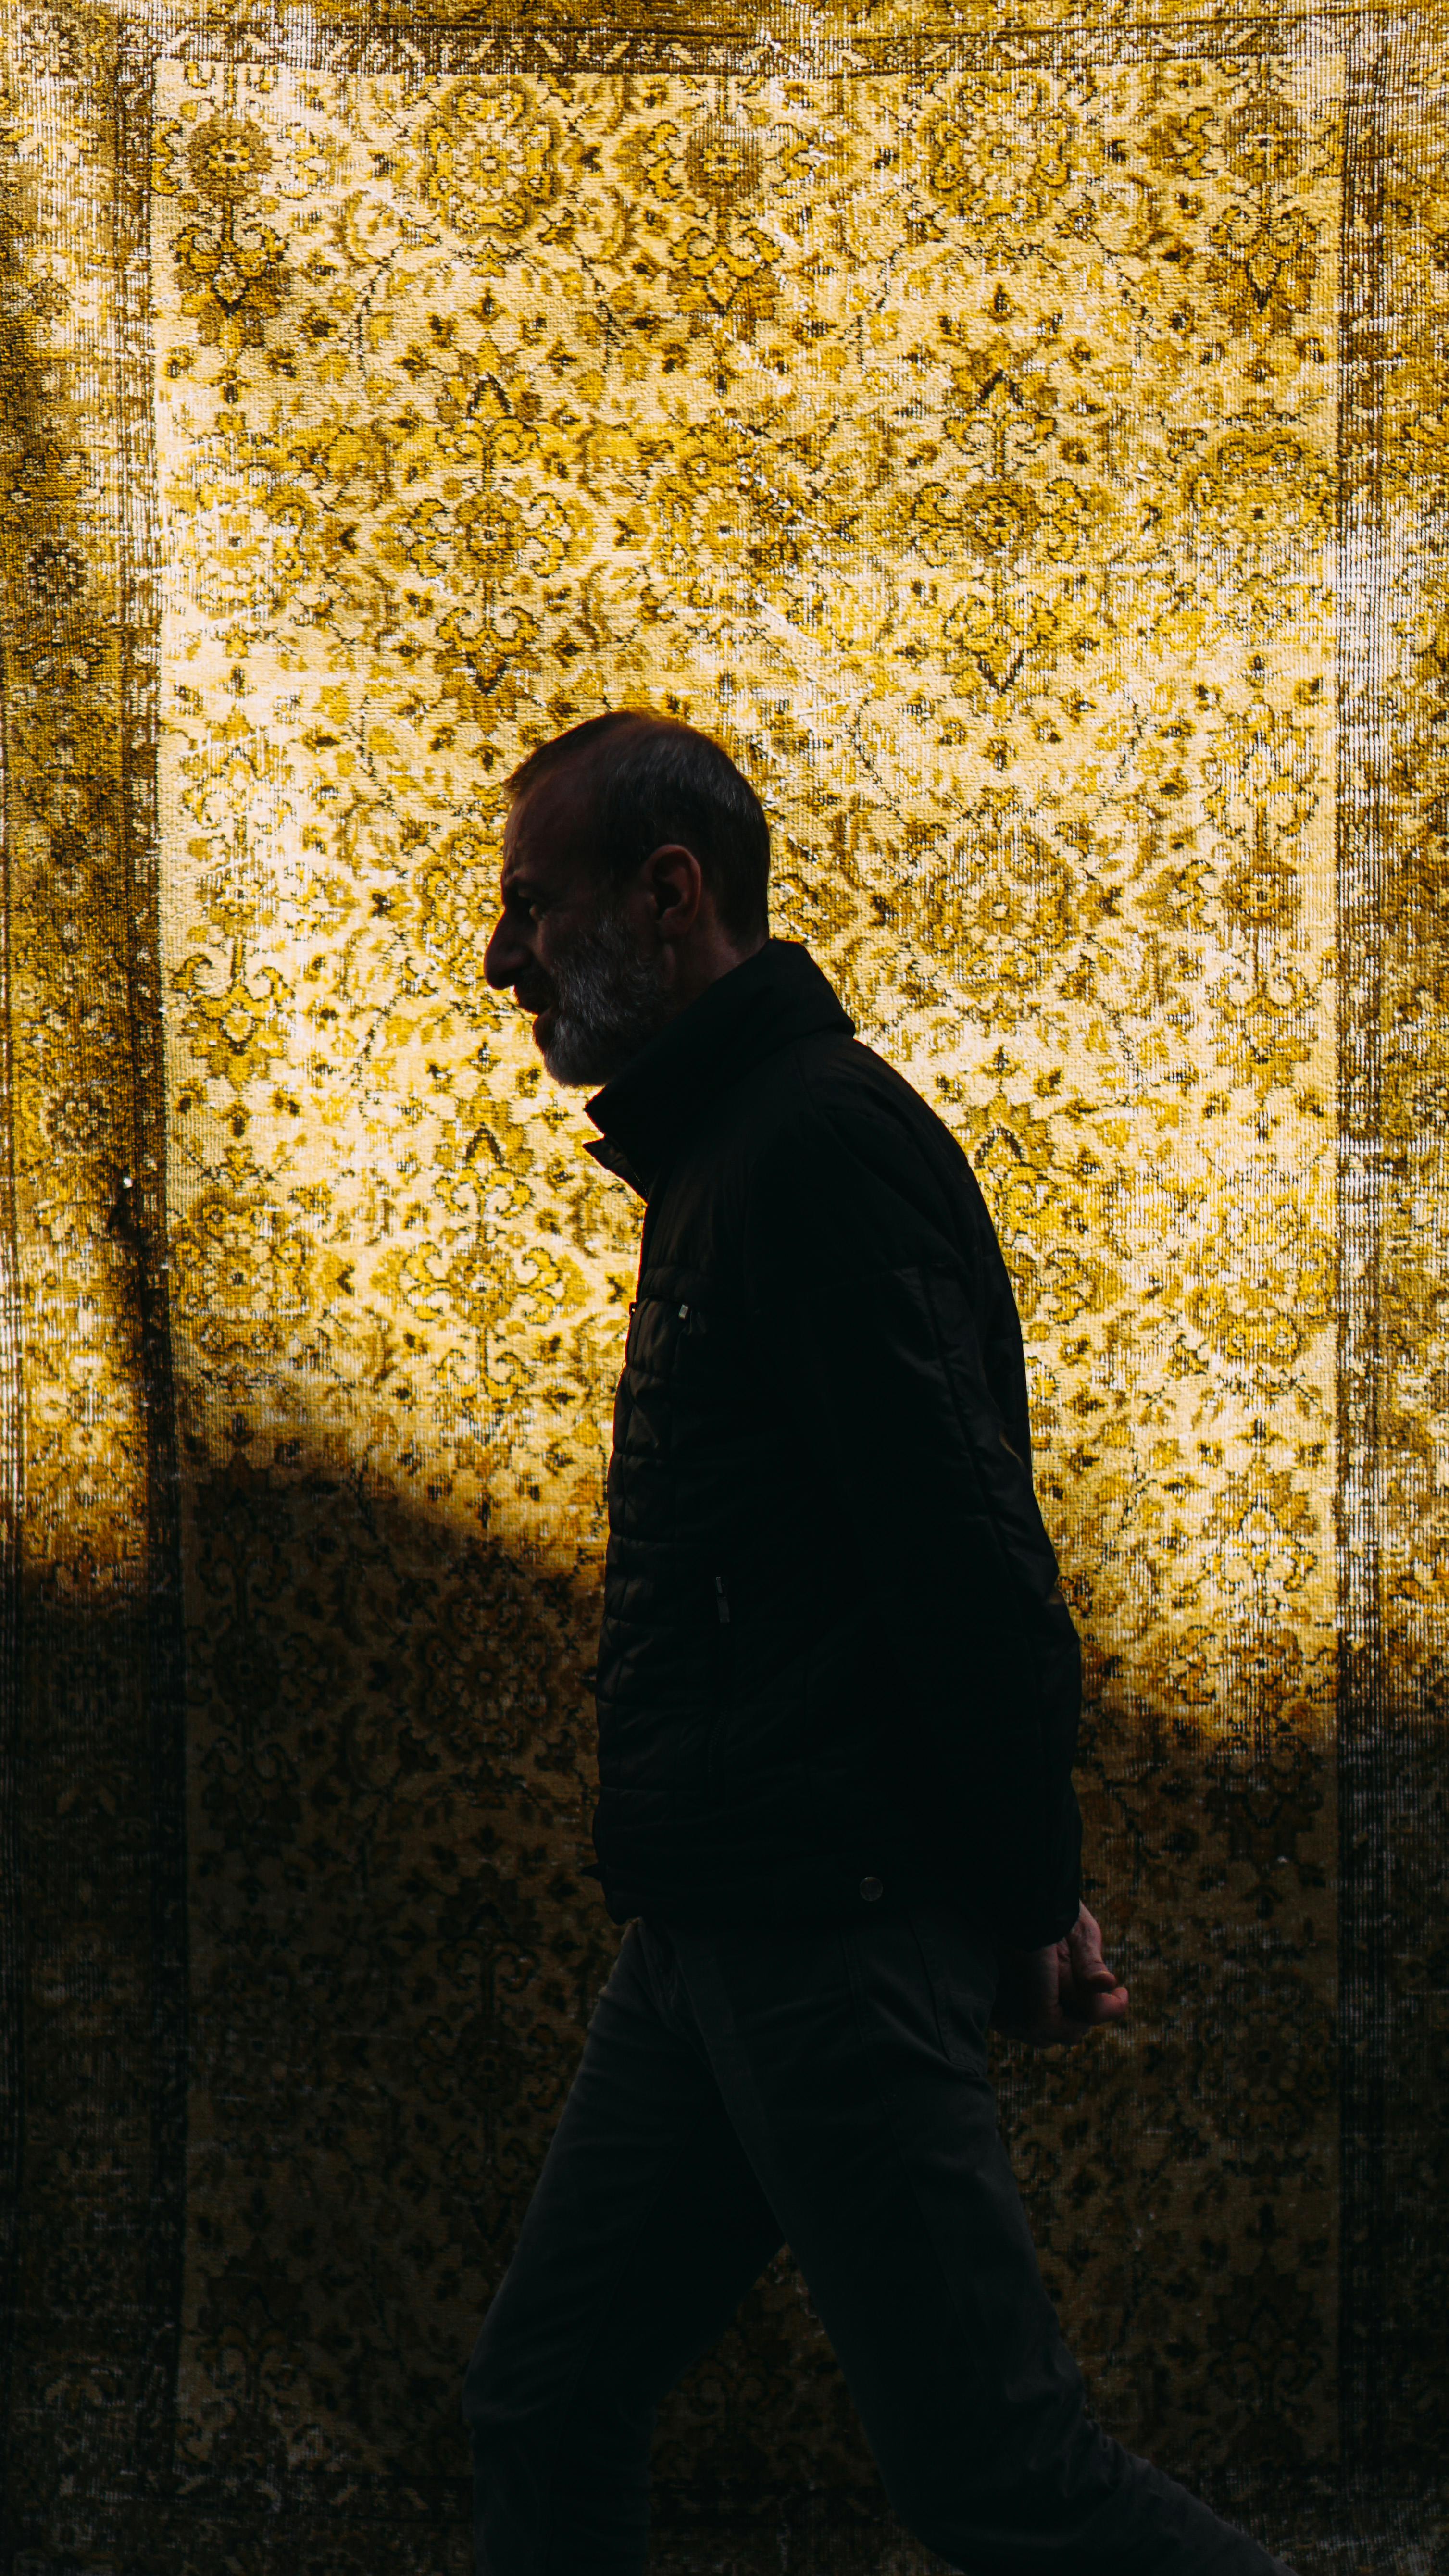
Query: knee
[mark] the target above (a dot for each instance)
(525, 2383)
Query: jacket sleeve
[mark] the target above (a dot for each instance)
(869, 1307)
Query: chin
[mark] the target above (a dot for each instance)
(579, 1067)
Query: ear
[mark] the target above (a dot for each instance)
(674, 882)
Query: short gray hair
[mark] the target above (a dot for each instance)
(658, 780)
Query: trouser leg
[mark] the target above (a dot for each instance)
(853, 2065)
(645, 2230)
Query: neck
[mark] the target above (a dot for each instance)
(699, 963)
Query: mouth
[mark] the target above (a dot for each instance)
(541, 1008)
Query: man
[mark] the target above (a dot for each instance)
(837, 1700)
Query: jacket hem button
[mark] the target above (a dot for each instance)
(870, 1889)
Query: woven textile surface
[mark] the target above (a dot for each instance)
(1026, 444)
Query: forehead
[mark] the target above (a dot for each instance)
(547, 832)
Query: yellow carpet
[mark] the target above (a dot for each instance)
(1025, 446)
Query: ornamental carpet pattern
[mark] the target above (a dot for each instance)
(1027, 446)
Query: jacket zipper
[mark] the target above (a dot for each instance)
(723, 1683)
(725, 1633)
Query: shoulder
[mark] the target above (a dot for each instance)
(850, 1083)
(847, 1090)
(837, 1124)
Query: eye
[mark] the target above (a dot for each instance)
(536, 909)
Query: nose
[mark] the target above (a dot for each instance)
(505, 955)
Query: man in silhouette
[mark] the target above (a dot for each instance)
(837, 1703)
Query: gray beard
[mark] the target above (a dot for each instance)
(609, 1003)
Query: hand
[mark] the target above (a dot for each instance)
(1052, 1998)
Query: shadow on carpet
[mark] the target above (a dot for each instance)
(1372, 2525)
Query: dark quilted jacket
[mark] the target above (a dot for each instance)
(835, 1667)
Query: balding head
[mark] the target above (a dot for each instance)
(638, 780)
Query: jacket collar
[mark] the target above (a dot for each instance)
(776, 996)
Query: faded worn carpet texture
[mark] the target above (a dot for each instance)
(1027, 446)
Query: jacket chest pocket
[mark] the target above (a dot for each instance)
(679, 1342)
(676, 1392)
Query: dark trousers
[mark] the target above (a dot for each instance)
(824, 2087)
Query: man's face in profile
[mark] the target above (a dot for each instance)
(569, 945)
